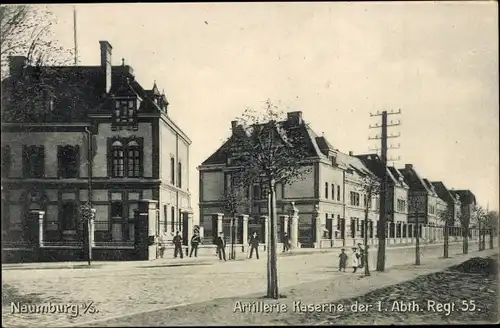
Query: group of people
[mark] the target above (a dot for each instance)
(357, 258)
(220, 243)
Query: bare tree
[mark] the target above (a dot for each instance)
(480, 216)
(415, 205)
(27, 30)
(446, 216)
(233, 202)
(492, 226)
(270, 150)
(370, 187)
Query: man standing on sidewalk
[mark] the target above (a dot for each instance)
(254, 245)
(195, 241)
(178, 245)
(361, 251)
(221, 246)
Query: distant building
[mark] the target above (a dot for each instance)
(453, 205)
(137, 153)
(329, 197)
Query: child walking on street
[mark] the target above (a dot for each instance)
(343, 260)
(355, 259)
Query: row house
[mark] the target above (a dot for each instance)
(94, 131)
(330, 197)
(453, 204)
(396, 193)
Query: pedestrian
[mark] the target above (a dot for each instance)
(195, 241)
(254, 245)
(221, 246)
(178, 245)
(355, 259)
(286, 242)
(361, 255)
(343, 260)
(162, 243)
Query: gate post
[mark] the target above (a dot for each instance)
(145, 230)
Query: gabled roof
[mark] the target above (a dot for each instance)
(220, 155)
(443, 192)
(466, 196)
(413, 179)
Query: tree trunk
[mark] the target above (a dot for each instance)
(273, 223)
(465, 246)
(446, 241)
(268, 248)
(491, 238)
(367, 269)
(417, 243)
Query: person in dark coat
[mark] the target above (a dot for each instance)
(361, 255)
(286, 242)
(342, 260)
(254, 245)
(178, 245)
(221, 246)
(195, 241)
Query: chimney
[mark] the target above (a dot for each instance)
(234, 124)
(408, 166)
(351, 153)
(106, 62)
(17, 65)
(294, 117)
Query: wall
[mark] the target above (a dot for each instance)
(50, 140)
(303, 188)
(400, 193)
(212, 185)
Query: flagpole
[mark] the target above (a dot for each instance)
(74, 36)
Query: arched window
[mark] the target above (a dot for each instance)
(326, 190)
(172, 170)
(179, 175)
(118, 165)
(134, 160)
(333, 191)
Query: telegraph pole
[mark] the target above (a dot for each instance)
(383, 186)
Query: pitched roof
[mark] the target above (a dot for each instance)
(466, 196)
(77, 90)
(413, 179)
(220, 155)
(443, 192)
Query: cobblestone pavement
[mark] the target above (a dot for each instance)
(138, 289)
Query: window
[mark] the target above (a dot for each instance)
(118, 160)
(256, 192)
(326, 190)
(354, 198)
(165, 217)
(33, 161)
(172, 170)
(401, 206)
(125, 111)
(116, 210)
(134, 160)
(126, 157)
(338, 193)
(179, 175)
(6, 161)
(431, 209)
(333, 191)
(172, 223)
(68, 216)
(179, 221)
(365, 200)
(68, 161)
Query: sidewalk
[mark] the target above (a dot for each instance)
(205, 257)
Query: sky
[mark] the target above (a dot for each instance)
(336, 62)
